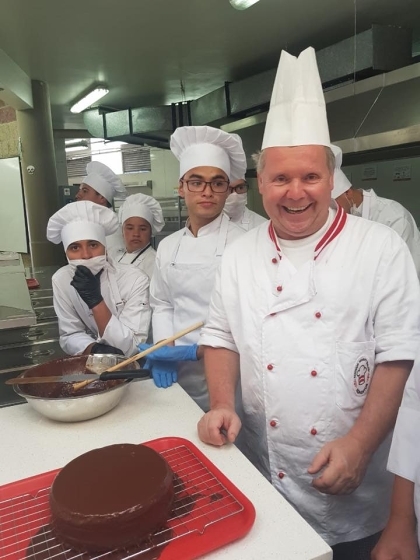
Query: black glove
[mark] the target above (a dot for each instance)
(99, 348)
(87, 285)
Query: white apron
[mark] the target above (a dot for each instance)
(191, 285)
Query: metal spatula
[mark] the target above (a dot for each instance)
(74, 377)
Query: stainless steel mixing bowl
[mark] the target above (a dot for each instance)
(96, 402)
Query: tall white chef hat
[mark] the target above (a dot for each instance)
(82, 220)
(142, 206)
(101, 178)
(341, 183)
(297, 114)
(196, 146)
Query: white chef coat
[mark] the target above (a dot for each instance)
(392, 214)
(404, 457)
(115, 243)
(308, 341)
(144, 259)
(125, 290)
(249, 219)
(181, 287)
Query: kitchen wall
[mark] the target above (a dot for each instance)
(396, 179)
(164, 174)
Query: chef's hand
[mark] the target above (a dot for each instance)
(219, 426)
(87, 285)
(344, 462)
(398, 541)
(172, 353)
(99, 348)
(163, 373)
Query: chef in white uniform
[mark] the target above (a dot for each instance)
(401, 537)
(101, 307)
(311, 309)
(101, 185)
(370, 206)
(236, 207)
(140, 217)
(187, 260)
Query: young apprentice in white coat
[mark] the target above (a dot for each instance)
(140, 217)
(368, 205)
(187, 260)
(237, 210)
(311, 309)
(401, 537)
(101, 185)
(101, 306)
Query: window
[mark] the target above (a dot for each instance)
(76, 166)
(136, 159)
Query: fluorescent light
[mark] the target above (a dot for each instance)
(89, 99)
(242, 4)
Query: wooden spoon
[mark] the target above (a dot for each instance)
(165, 342)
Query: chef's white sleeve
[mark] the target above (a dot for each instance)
(161, 302)
(404, 457)
(132, 326)
(216, 331)
(73, 336)
(396, 303)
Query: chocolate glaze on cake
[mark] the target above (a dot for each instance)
(111, 497)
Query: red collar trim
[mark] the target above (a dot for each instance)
(333, 231)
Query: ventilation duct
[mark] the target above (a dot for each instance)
(360, 99)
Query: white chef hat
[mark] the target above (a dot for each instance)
(101, 178)
(297, 114)
(341, 183)
(142, 206)
(82, 220)
(196, 146)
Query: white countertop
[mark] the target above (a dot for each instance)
(32, 445)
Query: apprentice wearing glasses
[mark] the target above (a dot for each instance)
(187, 260)
(236, 207)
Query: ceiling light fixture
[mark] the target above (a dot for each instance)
(242, 4)
(89, 99)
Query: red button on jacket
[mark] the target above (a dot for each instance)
(270, 366)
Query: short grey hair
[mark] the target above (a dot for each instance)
(259, 159)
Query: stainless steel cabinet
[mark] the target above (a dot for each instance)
(27, 335)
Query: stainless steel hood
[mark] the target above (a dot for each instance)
(372, 94)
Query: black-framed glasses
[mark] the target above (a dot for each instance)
(198, 186)
(241, 189)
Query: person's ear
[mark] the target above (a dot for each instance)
(181, 189)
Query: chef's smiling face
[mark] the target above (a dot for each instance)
(137, 233)
(85, 249)
(295, 184)
(205, 205)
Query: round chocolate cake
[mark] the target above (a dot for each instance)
(111, 497)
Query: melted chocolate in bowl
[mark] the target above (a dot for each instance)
(63, 366)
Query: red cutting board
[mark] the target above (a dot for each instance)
(210, 512)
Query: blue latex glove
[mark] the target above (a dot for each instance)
(163, 373)
(187, 353)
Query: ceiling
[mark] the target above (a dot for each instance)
(153, 52)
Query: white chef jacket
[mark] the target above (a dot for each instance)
(404, 457)
(308, 341)
(115, 242)
(249, 219)
(392, 214)
(125, 290)
(142, 259)
(181, 287)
